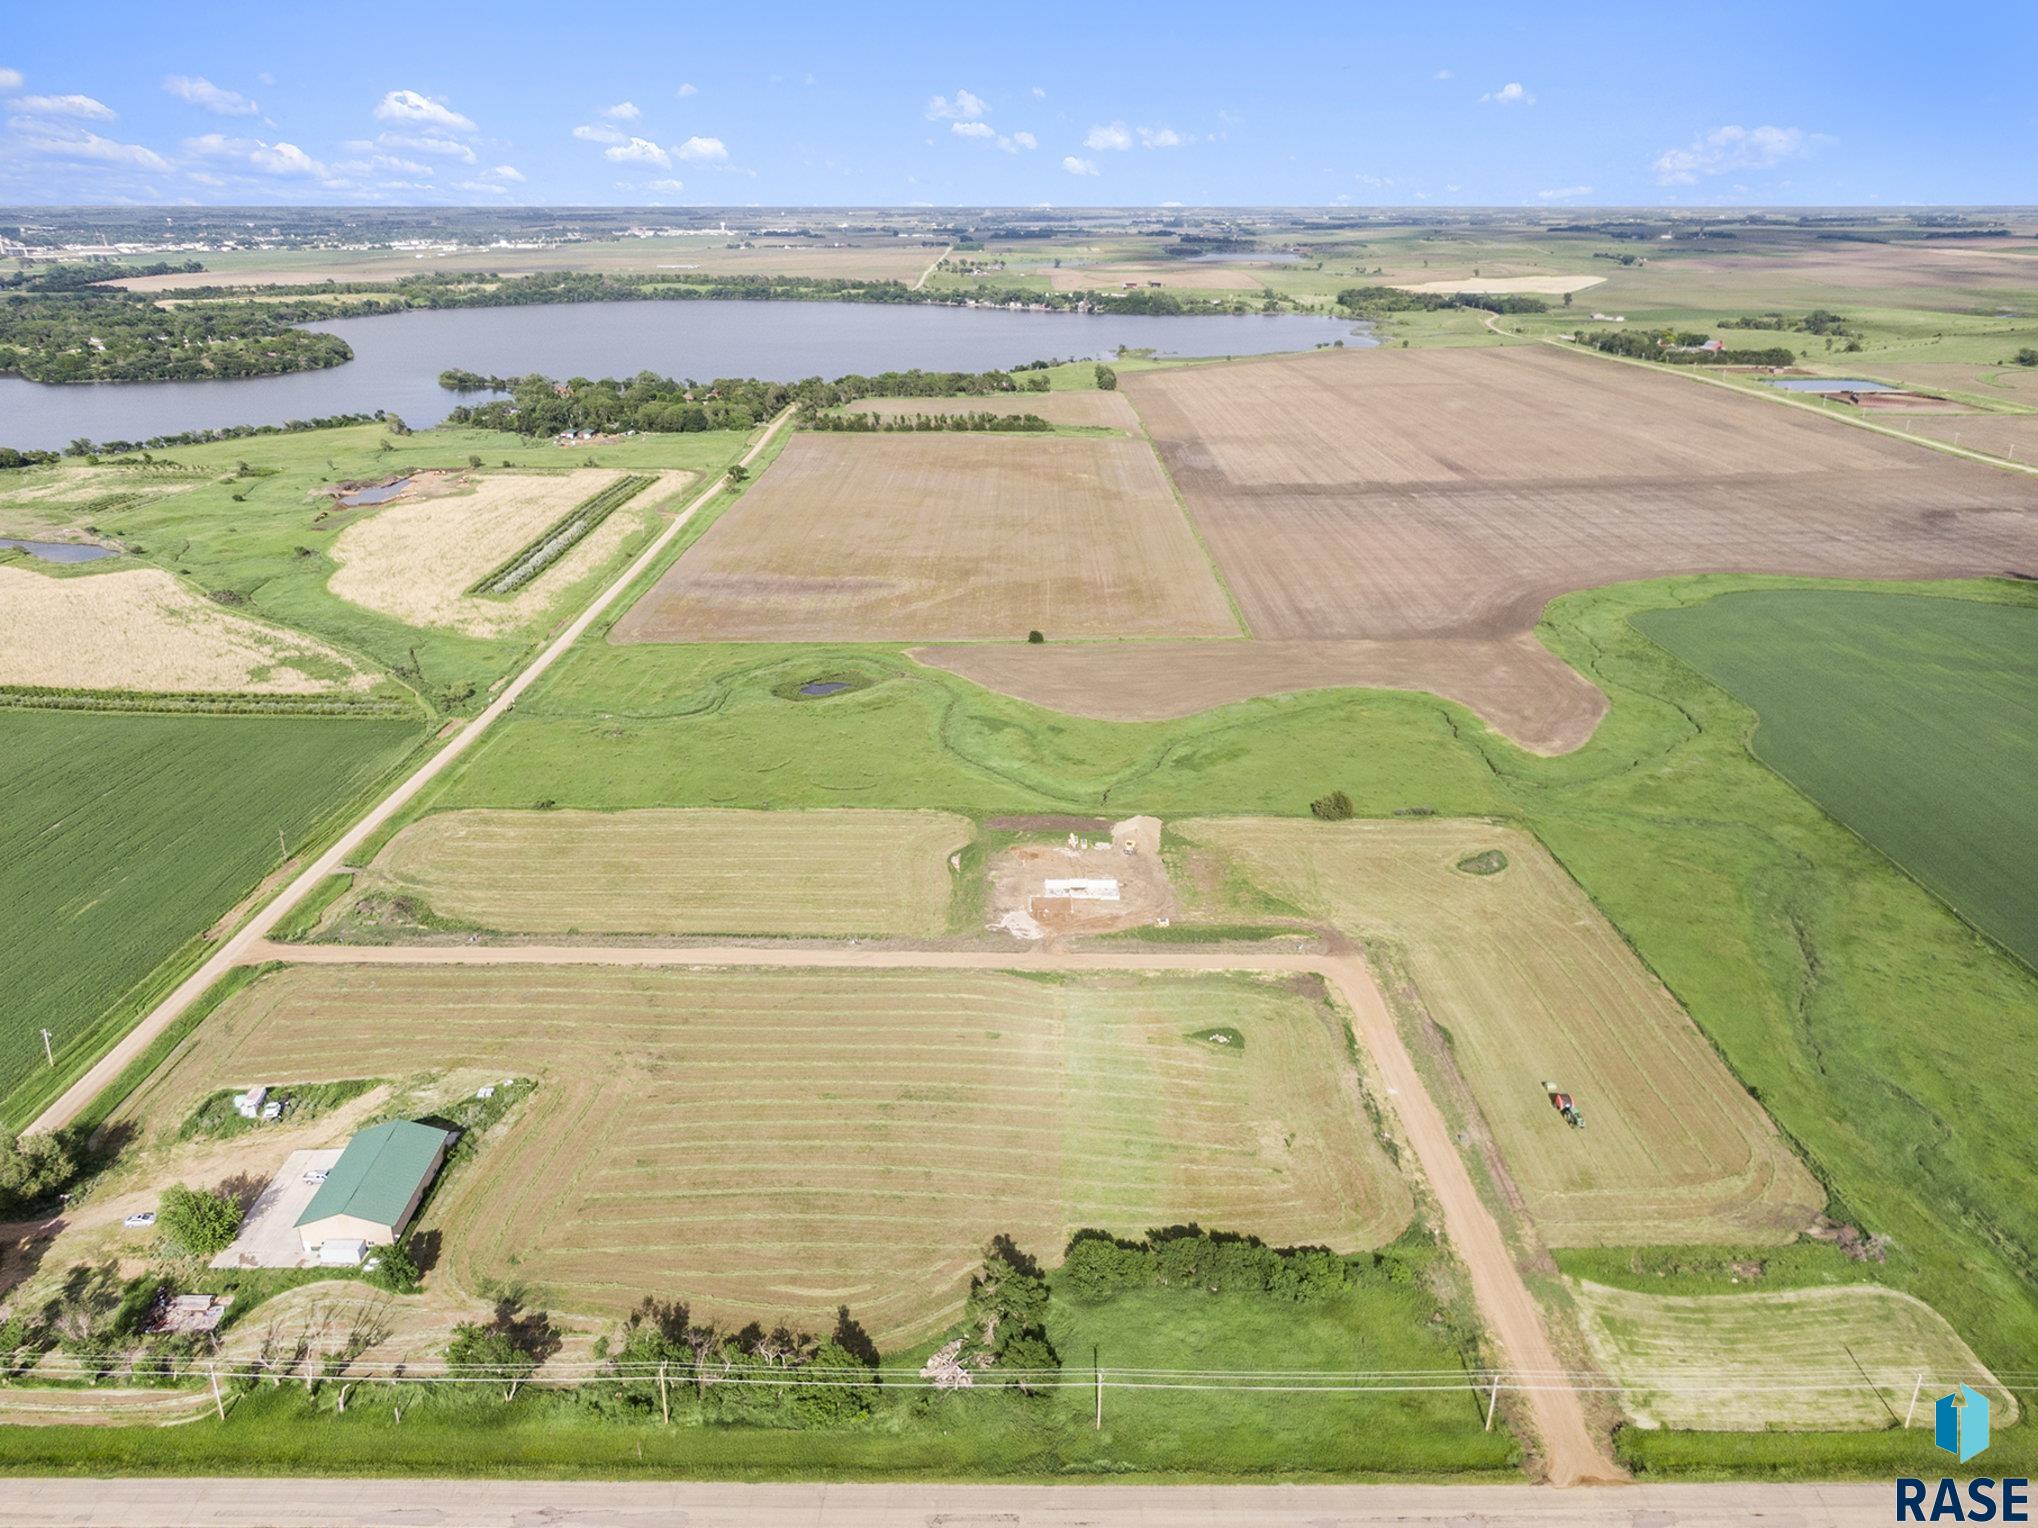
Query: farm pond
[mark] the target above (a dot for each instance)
(398, 357)
(60, 551)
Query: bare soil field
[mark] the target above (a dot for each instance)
(416, 557)
(1453, 493)
(1836, 1358)
(143, 630)
(1025, 901)
(942, 538)
(1548, 286)
(885, 260)
(775, 1144)
(1517, 685)
(1100, 410)
(1529, 984)
(1181, 277)
(678, 872)
(2014, 437)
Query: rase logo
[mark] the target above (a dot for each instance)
(1960, 1427)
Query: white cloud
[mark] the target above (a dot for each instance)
(508, 172)
(266, 77)
(487, 186)
(218, 145)
(1727, 149)
(425, 143)
(703, 151)
(973, 129)
(1444, 74)
(594, 132)
(1510, 94)
(639, 151)
(669, 187)
(683, 92)
(622, 111)
(372, 164)
(10, 79)
(1039, 94)
(197, 90)
(1019, 141)
(82, 106)
(1564, 194)
(1160, 138)
(409, 106)
(1077, 166)
(965, 106)
(285, 159)
(1374, 182)
(89, 146)
(1116, 136)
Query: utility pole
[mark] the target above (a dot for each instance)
(1492, 1403)
(1098, 1425)
(1913, 1411)
(48, 1055)
(664, 1402)
(213, 1370)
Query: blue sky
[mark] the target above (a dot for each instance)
(1094, 105)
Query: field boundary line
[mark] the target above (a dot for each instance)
(1245, 628)
(946, 251)
(255, 931)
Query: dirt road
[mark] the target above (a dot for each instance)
(1572, 1455)
(634, 1504)
(235, 951)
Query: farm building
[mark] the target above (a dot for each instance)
(371, 1192)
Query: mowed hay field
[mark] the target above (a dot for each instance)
(1912, 719)
(776, 1144)
(1453, 493)
(675, 872)
(417, 558)
(1529, 983)
(141, 629)
(124, 836)
(1844, 1357)
(1099, 410)
(940, 537)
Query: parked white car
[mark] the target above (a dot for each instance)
(140, 1220)
(314, 1175)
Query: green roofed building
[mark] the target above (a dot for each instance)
(370, 1194)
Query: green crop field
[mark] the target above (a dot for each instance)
(1912, 720)
(123, 838)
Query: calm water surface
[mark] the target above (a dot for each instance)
(397, 359)
(61, 551)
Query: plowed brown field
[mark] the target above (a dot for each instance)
(1453, 493)
(1530, 984)
(931, 538)
(673, 872)
(773, 1144)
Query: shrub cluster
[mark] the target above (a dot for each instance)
(1099, 1266)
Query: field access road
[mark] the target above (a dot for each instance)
(1572, 1455)
(234, 951)
(641, 1504)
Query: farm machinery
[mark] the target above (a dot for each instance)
(1562, 1103)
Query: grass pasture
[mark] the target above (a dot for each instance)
(1529, 983)
(123, 838)
(1842, 1358)
(1912, 720)
(942, 537)
(775, 1144)
(665, 872)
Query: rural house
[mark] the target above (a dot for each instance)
(370, 1194)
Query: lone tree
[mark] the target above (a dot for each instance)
(739, 473)
(1107, 379)
(197, 1222)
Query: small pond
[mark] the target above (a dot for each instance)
(1830, 385)
(62, 551)
(381, 493)
(818, 687)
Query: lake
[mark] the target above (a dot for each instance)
(398, 358)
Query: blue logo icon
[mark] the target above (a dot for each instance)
(1961, 1423)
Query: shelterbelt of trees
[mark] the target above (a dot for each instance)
(538, 405)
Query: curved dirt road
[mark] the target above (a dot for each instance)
(1572, 1454)
(235, 951)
